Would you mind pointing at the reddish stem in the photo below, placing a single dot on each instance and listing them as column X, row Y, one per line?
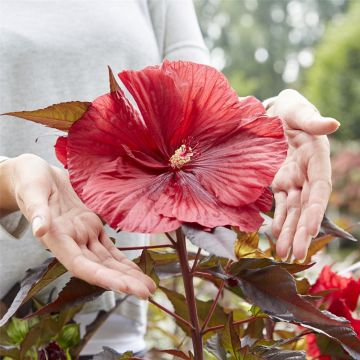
column 170, row 238
column 239, row 322
column 196, row 260
column 176, row 316
column 203, row 275
column 213, row 307
column 145, row 247
column 190, row 295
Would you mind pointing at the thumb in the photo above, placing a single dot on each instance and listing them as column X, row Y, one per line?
column 34, row 203
column 309, row 120
column 320, row 125
column 299, row 114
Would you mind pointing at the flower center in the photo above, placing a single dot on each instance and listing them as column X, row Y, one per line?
column 181, row 156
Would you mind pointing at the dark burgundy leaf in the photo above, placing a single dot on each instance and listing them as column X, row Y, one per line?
column 329, row 228
column 35, row 280
column 75, row 292
column 177, row 353
column 220, row 241
column 273, row 288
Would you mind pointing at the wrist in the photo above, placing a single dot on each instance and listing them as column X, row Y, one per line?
column 8, row 201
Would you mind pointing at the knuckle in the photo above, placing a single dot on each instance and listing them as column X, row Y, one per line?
column 288, row 92
column 29, row 157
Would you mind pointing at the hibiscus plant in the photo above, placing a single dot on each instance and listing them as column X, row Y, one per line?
column 195, row 162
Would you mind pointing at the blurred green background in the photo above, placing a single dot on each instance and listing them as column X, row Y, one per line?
column 313, row 46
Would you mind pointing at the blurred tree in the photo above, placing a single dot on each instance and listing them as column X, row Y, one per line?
column 262, row 45
column 333, row 83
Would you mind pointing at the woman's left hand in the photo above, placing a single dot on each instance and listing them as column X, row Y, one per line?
column 302, row 186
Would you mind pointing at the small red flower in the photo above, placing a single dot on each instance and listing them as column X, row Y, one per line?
column 193, row 153
column 341, row 301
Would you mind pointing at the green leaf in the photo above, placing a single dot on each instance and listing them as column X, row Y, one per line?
column 35, row 280
column 273, row 288
column 59, row 116
column 17, row 330
column 177, row 353
column 75, row 292
column 69, row 336
column 147, row 264
column 254, row 332
column 214, row 346
column 111, row 354
column 220, row 241
column 40, row 334
column 230, row 339
column 262, row 352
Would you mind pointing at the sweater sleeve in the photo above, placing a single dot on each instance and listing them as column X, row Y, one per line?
column 177, row 30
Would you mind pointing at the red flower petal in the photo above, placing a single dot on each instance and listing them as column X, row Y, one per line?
column 188, row 201
column 265, row 201
column 211, row 107
column 243, row 163
column 61, row 150
column 339, row 308
column 159, row 102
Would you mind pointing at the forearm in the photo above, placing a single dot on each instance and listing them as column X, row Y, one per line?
column 8, row 201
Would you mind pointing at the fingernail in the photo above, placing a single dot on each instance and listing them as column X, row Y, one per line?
column 37, row 223
column 302, row 260
column 286, row 257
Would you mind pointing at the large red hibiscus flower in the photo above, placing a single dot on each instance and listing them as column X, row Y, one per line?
column 342, row 299
column 191, row 153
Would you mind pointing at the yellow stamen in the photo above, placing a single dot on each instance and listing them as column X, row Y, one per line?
column 181, row 156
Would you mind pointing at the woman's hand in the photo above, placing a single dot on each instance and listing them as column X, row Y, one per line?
column 302, row 186
column 73, row 233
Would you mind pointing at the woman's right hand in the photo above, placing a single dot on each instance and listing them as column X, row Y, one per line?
column 73, row 233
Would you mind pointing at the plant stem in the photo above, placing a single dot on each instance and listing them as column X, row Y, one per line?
column 170, row 238
column 196, row 260
column 239, row 322
column 215, row 302
column 190, row 295
column 213, row 307
column 170, row 312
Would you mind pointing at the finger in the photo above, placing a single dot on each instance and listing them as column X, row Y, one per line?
column 302, row 238
column 319, row 174
column 280, row 212
column 107, row 260
column 33, row 199
column 115, row 252
column 300, row 114
column 71, row 256
column 286, row 237
column 311, row 217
